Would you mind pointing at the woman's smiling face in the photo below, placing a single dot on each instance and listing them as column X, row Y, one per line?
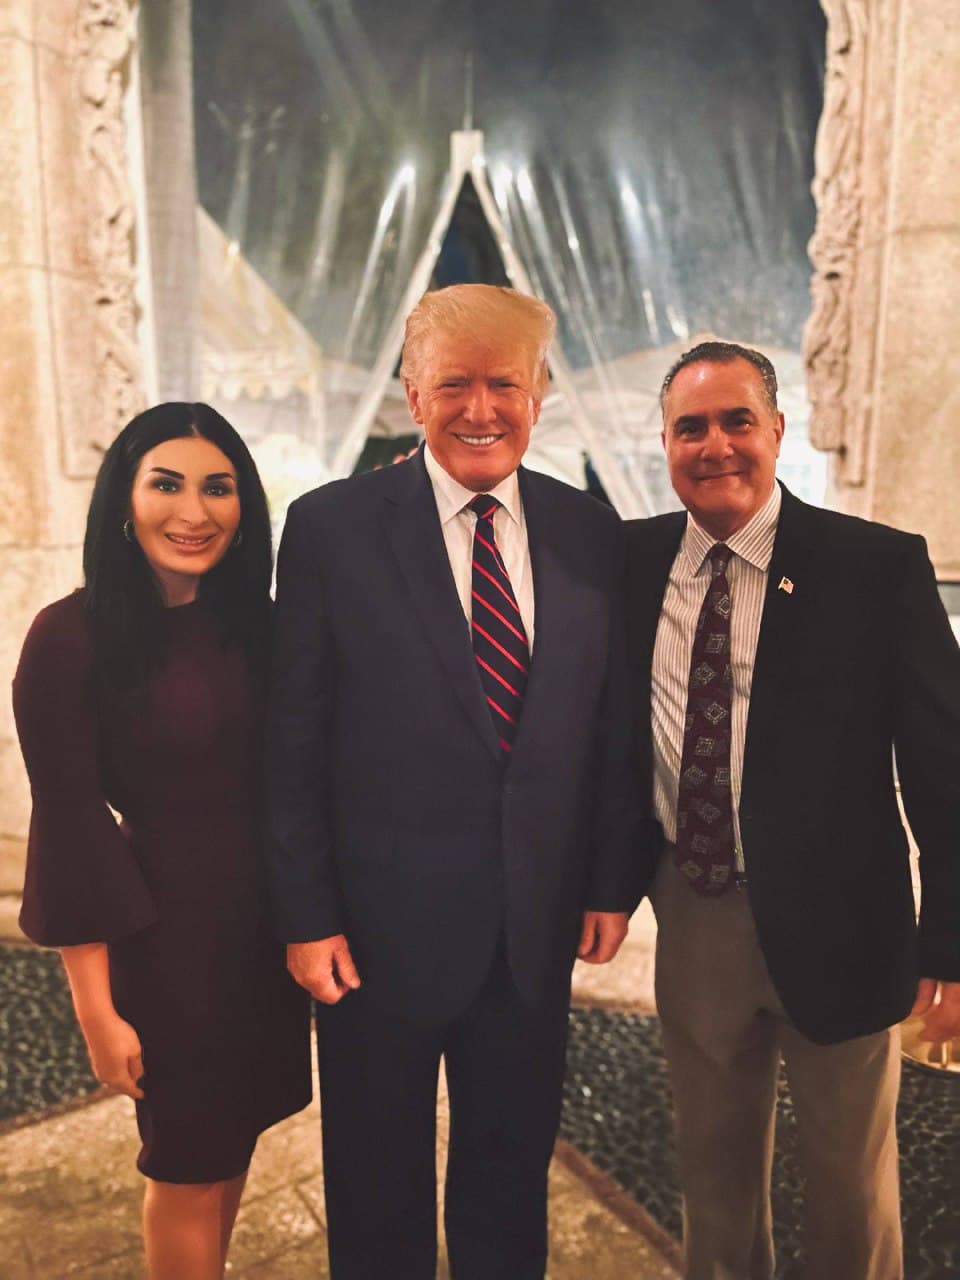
column 185, row 511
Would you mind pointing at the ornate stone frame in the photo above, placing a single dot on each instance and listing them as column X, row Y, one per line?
column 102, row 47
column 851, row 190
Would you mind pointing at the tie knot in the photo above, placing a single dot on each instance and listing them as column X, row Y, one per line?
column 484, row 506
column 719, row 556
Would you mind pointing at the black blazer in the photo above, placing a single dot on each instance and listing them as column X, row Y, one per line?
column 858, row 660
column 395, row 819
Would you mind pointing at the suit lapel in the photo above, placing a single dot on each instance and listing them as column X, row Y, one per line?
column 788, row 599
column 651, row 550
column 652, row 547
column 414, row 532
column 552, row 610
column 563, row 602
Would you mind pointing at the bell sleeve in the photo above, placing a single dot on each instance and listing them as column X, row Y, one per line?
column 82, row 883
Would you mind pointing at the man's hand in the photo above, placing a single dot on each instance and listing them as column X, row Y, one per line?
column 325, row 968
column 601, row 935
column 942, row 1016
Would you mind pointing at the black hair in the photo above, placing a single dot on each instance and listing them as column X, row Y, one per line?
column 716, row 352
column 124, row 601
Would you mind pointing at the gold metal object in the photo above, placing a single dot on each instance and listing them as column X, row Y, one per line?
column 934, row 1057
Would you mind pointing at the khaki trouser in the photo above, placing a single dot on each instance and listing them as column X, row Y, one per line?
column 724, row 1032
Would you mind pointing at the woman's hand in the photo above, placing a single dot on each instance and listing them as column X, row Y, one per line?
column 115, row 1054
column 113, row 1045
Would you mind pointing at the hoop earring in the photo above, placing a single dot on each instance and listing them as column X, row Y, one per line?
column 237, row 539
column 128, row 530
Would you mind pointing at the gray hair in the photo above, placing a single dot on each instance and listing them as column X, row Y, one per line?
column 716, row 352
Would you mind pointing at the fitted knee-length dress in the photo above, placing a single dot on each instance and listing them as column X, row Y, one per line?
column 176, row 889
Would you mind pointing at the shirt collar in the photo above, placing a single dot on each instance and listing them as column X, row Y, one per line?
column 451, row 496
column 753, row 543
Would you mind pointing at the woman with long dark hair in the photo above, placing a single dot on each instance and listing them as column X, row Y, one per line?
column 142, row 693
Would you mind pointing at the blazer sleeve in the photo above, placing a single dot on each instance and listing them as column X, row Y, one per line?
column 300, row 856
column 82, row 883
column 626, row 842
column 927, row 743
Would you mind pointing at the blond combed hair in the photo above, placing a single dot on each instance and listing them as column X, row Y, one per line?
column 486, row 312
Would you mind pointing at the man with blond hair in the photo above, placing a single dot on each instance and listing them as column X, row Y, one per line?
column 451, row 778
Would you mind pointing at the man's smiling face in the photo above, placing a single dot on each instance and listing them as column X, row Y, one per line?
column 722, row 438
column 476, row 402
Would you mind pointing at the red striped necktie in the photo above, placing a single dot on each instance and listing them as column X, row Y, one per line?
column 499, row 639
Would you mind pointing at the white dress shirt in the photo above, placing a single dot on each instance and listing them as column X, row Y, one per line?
column 686, row 588
column 509, row 527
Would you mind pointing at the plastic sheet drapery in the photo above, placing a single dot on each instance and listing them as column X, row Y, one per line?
column 650, row 162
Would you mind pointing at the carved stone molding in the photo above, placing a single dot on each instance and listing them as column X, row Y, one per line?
column 850, row 187
column 833, row 248
column 104, row 45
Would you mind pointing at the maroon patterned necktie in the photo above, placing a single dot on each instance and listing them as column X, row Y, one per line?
column 705, row 841
column 499, row 639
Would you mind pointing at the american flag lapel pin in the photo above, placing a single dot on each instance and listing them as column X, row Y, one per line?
column 785, row 585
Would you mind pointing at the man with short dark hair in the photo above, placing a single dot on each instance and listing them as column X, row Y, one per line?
column 789, row 651
column 452, row 791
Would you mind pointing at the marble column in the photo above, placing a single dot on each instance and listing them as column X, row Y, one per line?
column 69, row 362
column 883, row 342
column 166, row 71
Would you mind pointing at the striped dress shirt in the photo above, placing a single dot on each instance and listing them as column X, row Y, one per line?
column 686, row 588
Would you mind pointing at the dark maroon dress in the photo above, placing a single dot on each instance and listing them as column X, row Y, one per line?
column 176, row 892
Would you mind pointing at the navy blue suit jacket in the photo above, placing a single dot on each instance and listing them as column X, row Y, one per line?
column 856, row 662
column 396, row 819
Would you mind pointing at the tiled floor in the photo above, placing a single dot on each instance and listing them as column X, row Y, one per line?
column 70, row 1199
column 70, row 1195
